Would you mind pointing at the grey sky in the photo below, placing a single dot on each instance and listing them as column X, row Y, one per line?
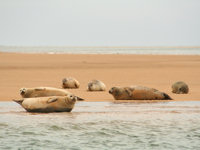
column 100, row 22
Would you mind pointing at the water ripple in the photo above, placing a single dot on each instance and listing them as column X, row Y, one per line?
column 103, row 125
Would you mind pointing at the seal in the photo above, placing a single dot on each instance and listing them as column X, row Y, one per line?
column 138, row 93
column 70, row 83
column 48, row 104
column 43, row 92
column 96, row 85
column 180, row 87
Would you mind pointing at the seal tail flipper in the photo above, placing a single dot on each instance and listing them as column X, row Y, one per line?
column 79, row 99
column 18, row 101
column 166, row 96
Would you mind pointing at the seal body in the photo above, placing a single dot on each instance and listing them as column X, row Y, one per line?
column 96, row 85
column 43, row 92
column 48, row 104
column 180, row 87
column 70, row 83
column 137, row 93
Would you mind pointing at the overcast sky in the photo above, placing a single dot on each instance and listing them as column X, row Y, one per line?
column 100, row 22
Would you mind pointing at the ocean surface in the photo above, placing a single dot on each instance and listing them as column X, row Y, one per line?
column 103, row 126
column 105, row 50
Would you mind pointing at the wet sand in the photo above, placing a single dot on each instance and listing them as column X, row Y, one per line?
column 157, row 71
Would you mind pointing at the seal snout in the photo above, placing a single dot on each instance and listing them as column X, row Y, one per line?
column 22, row 91
column 89, row 86
column 110, row 91
column 64, row 81
column 74, row 98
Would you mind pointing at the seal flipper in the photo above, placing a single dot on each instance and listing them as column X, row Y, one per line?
column 166, row 96
column 129, row 91
column 18, row 101
column 51, row 100
column 76, row 85
column 40, row 89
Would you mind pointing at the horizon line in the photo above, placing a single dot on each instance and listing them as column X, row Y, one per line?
column 195, row 46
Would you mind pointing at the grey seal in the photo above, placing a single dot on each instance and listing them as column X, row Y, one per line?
column 138, row 93
column 180, row 87
column 70, row 83
column 96, row 85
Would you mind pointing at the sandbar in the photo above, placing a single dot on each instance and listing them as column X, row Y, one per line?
column 19, row 70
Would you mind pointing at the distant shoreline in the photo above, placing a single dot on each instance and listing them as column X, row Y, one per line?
column 176, row 50
column 110, row 46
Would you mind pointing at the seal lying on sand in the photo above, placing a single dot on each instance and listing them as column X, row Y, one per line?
column 180, row 87
column 70, row 83
column 137, row 93
column 48, row 104
column 43, row 92
column 96, row 85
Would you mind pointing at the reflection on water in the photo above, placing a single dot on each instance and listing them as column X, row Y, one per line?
column 103, row 125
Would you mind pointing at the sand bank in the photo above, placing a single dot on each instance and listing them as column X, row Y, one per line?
column 157, row 71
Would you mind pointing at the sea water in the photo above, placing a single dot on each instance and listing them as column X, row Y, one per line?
column 103, row 125
column 105, row 50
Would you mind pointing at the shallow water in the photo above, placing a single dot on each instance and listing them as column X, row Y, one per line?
column 103, row 125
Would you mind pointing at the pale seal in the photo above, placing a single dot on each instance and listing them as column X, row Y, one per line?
column 138, row 93
column 180, row 87
column 48, row 104
column 70, row 83
column 43, row 92
column 96, row 85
